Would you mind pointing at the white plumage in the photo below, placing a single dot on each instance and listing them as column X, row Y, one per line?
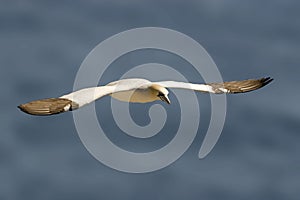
column 134, row 90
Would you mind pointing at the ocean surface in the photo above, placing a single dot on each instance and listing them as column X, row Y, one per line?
column 42, row 45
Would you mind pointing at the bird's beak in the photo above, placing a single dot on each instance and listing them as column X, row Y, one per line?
column 165, row 99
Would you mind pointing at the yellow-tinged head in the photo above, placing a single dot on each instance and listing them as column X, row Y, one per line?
column 161, row 93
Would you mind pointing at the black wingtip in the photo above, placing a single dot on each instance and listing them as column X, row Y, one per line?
column 266, row 80
column 21, row 107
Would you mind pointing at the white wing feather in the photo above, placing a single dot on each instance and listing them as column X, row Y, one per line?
column 219, row 88
column 189, row 86
column 88, row 95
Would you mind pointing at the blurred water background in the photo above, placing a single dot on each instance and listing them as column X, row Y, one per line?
column 42, row 44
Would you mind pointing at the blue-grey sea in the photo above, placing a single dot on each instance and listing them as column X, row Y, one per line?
column 42, row 45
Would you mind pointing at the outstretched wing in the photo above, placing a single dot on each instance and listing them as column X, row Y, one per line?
column 78, row 98
column 88, row 95
column 65, row 103
column 218, row 88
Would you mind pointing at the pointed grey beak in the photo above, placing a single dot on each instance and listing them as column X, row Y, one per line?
column 165, row 99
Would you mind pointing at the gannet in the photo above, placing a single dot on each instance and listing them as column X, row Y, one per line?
column 135, row 90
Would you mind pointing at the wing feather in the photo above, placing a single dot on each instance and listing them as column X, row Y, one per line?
column 240, row 86
column 183, row 85
column 80, row 98
column 49, row 106
column 218, row 88
column 88, row 95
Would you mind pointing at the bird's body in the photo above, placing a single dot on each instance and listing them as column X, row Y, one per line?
column 135, row 96
column 142, row 94
column 134, row 90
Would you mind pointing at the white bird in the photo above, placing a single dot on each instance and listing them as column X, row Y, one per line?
column 134, row 90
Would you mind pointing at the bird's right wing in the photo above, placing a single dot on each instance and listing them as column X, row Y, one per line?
column 66, row 102
column 75, row 99
column 88, row 95
column 218, row 88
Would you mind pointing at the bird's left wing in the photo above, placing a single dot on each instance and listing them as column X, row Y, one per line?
column 218, row 88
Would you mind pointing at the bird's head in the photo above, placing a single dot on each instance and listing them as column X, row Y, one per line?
column 161, row 93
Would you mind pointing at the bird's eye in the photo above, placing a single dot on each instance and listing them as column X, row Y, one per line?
column 160, row 94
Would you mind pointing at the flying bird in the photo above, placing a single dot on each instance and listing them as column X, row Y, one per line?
column 134, row 90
